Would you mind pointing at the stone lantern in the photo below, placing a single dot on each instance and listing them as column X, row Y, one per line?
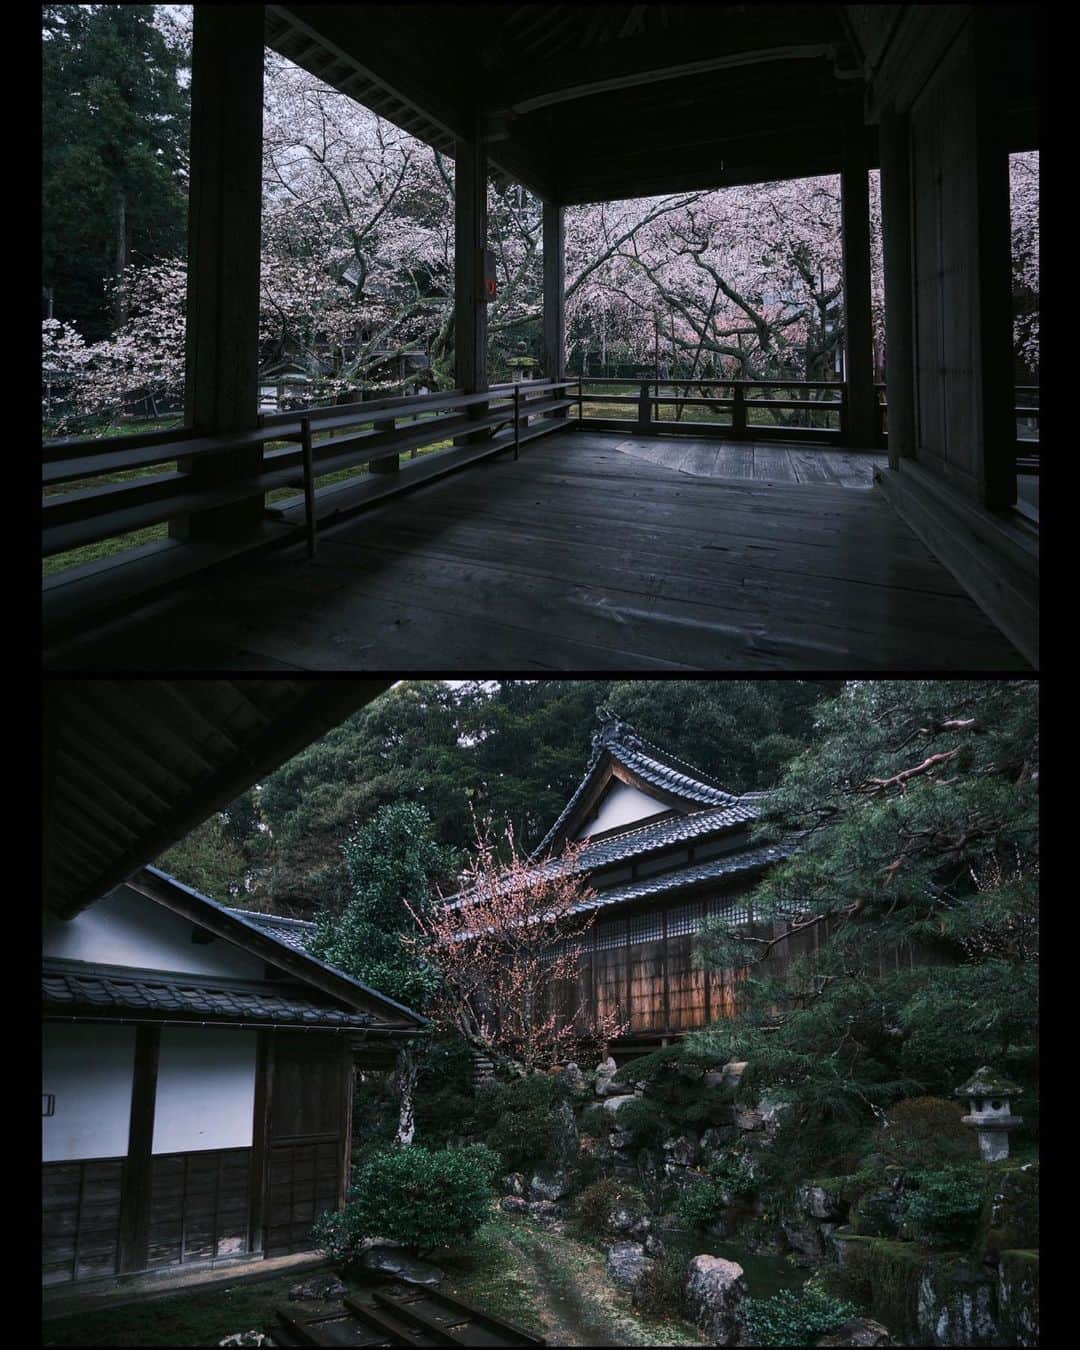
column 988, row 1093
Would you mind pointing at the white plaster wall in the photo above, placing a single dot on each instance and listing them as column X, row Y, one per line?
column 205, row 1089
column 128, row 929
column 622, row 805
column 89, row 1070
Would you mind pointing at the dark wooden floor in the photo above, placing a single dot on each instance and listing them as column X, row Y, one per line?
column 764, row 462
column 580, row 556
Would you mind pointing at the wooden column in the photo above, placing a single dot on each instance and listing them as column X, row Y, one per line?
column 348, row 1073
column 855, row 227
column 995, row 466
column 470, row 240
column 135, row 1186
column 224, row 218
column 896, row 231
column 554, row 292
column 260, row 1140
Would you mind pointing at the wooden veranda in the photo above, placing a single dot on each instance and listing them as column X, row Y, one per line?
column 936, row 96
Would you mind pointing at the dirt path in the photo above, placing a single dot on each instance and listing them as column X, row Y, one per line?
column 576, row 1299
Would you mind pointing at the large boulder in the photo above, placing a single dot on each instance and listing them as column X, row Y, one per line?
column 320, row 1287
column 804, row 1237
column 715, row 1292
column 730, row 1076
column 612, row 1104
column 550, row 1183
column 626, row 1263
column 860, row 1331
column 394, row 1262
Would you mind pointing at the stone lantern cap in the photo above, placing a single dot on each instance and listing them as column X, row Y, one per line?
column 986, row 1082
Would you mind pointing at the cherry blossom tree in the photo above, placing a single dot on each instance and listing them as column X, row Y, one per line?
column 504, row 944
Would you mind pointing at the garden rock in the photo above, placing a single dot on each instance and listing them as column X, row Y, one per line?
column 641, row 1228
column 859, row 1331
column 620, row 1099
column 323, row 1286
column 514, row 1204
column 620, row 1139
column 514, row 1183
column 544, row 1211
column 747, row 1118
column 716, row 1139
column 626, row 1263
column 575, row 1080
column 679, row 1152
column 715, row 1293
column 730, row 1076
column 605, row 1072
column 653, row 1246
column 394, row 1262
column 567, row 1139
column 248, row 1338
column 804, row 1236
column 819, row 1203
column 550, row 1183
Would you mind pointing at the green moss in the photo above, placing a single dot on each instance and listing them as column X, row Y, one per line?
column 1018, row 1297
column 884, row 1275
column 1010, row 1212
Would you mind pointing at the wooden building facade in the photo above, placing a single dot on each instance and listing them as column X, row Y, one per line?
column 197, row 1082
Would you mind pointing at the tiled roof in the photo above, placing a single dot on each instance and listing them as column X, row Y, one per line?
column 295, row 933
column 652, row 765
column 729, row 865
column 662, row 834
column 65, row 984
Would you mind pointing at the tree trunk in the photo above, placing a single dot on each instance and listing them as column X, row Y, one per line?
column 406, row 1084
column 119, row 305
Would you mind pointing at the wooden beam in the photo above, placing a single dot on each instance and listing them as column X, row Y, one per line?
column 896, row 232
column 554, row 292
column 470, row 241
column 260, row 1140
column 855, row 229
column 996, row 455
column 138, row 1166
column 224, row 222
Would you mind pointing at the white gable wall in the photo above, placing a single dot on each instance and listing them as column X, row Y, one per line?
column 88, row 1069
column 205, row 1089
column 129, row 929
column 622, row 805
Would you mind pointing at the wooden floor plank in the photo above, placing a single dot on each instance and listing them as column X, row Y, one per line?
column 583, row 556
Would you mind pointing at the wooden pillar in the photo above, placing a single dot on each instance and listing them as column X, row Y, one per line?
column 138, row 1165
column 554, row 292
column 224, row 219
column 260, row 1140
column 896, row 230
column 995, row 466
column 348, row 1074
column 470, row 241
column 855, row 228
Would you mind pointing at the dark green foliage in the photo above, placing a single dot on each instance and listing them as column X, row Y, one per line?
column 392, row 861
column 942, row 863
column 414, row 1196
column 644, row 1121
column 504, row 750
column 594, row 1121
column 598, row 1202
column 790, row 1318
column 660, row 1288
column 926, row 1131
column 444, row 1099
column 114, row 152
column 942, row 1207
column 702, row 1203
column 520, row 1119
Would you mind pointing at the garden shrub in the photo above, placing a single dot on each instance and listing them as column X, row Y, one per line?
column 594, row 1121
column 521, row 1119
column 942, row 1207
column 701, row 1204
column 660, row 1288
column 598, row 1202
column 643, row 1120
column 926, row 1132
column 794, row 1317
column 415, row 1196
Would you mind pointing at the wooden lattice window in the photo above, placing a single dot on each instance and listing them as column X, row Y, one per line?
column 683, row 919
column 646, row 927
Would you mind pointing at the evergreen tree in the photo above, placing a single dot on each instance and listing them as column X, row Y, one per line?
column 915, row 811
column 115, row 135
column 390, row 861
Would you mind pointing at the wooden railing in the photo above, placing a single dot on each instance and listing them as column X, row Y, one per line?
column 297, row 450
column 740, row 399
column 1025, row 405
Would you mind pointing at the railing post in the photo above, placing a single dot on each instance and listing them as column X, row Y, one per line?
column 644, row 407
column 517, row 419
column 309, row 483
column 580, row 401
column 385, row 463
column 738, row 412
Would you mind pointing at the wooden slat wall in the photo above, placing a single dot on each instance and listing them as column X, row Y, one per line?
column 305, row 1179
column 199, row 1206
column 80, row 1207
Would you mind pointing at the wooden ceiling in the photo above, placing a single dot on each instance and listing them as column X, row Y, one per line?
column 591, row 102
column 130, row 766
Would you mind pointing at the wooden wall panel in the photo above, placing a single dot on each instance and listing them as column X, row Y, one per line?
column 199, row 1206
column 80, row 1207
column 646, row 985
column 686, row 986
column 304, row 1181
column 611, row 967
